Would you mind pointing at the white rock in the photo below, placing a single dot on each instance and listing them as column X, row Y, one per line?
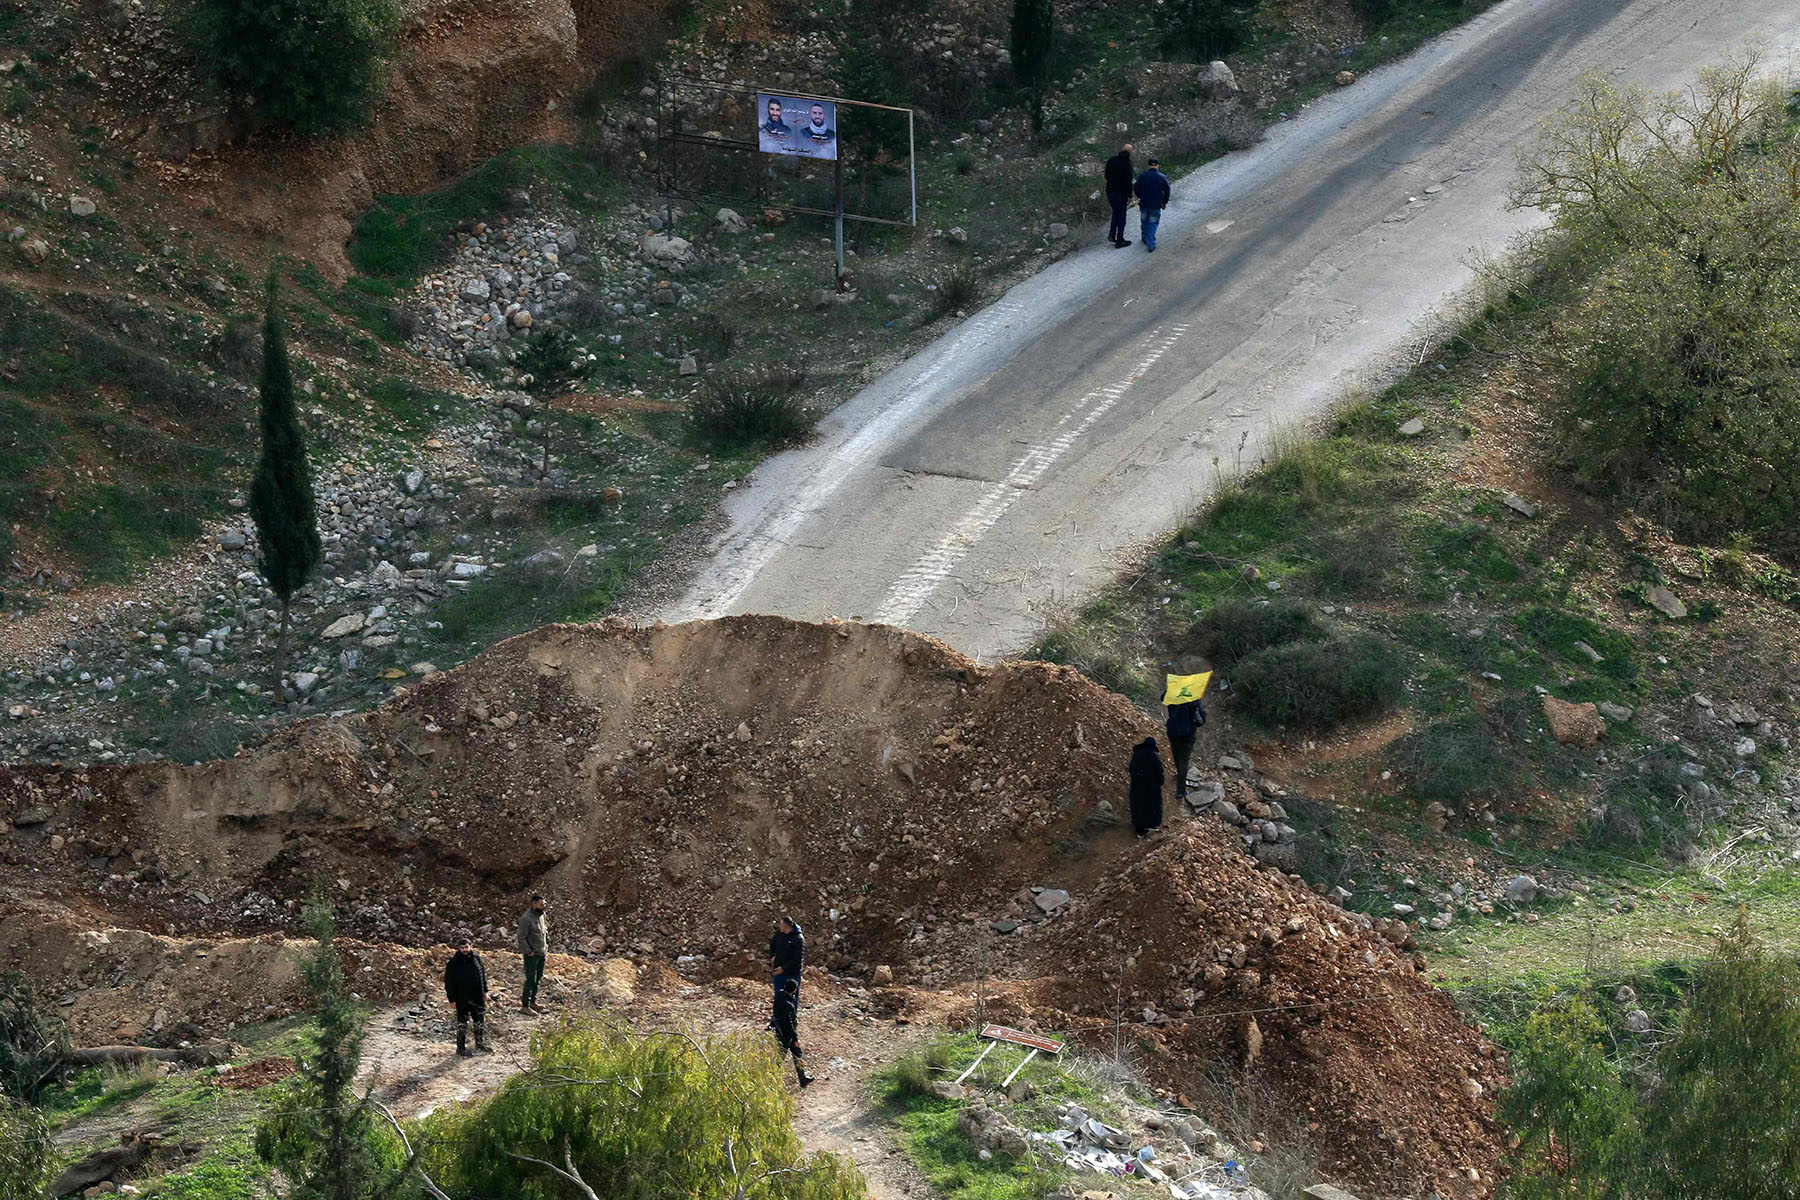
column 344, row 626
column 1051, row 899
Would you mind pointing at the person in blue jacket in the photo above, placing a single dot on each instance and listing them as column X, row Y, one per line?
column 1152, row 190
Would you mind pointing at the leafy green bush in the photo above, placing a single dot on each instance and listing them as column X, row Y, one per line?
column 760, row 408
column 1228, row 633
column 24, row 1150
column 1316, row 685
column 32, row 1040
column 1358, row 563
column 314, row 66
column 555, row 361
column 1680, row 391
column 1455, row 758
column 636, row 1117
column 1203, row 30
column 1577, row 1122
column 1726, row 1121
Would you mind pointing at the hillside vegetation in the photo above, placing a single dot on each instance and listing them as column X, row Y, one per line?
column 1571, row 526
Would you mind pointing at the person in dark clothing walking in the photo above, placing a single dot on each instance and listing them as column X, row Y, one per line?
column 1146, row 787
column 466, row 986
column 786, row 1022
column 1118, row 194
column 1183, row 727
column 534, row 943
column 787, row 954
column 1153, row 196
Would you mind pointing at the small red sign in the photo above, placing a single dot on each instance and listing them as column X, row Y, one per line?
column 1019, row 1037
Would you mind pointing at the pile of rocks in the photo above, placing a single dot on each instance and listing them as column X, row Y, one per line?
column 506, row 277
column 1253, row 805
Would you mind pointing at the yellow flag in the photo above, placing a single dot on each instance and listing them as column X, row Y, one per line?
column 1183, row 688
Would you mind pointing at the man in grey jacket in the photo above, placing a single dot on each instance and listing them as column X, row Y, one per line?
column 534, row 943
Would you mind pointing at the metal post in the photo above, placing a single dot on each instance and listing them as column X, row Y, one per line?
column 1007, row 1082
column 977, row 1062
column 837, row 173
column 912, row 166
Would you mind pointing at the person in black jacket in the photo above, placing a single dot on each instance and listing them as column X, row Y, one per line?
column 787, row 952
column 786, row 1021
column 1118, row 194
column 1153, row 196
column 1183, row 727
column 1146, row 787
column 466, row 986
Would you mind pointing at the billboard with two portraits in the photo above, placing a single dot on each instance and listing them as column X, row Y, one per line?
column 797, row 126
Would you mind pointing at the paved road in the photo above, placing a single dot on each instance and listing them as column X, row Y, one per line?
column 1000, row 474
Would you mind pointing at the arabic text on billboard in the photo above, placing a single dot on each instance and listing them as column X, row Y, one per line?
column 789, row 125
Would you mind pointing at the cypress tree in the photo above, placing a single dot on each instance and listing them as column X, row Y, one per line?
column 1033, row 45
column 281, row 495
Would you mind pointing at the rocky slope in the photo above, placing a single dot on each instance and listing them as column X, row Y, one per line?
column 672, row 789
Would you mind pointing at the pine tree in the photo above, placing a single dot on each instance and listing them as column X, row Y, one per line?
column 281, row 495
column 1033, row 50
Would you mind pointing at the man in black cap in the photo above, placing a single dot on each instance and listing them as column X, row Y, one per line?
column 466, row 986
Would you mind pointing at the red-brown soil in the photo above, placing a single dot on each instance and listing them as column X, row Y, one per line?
column 671, row 789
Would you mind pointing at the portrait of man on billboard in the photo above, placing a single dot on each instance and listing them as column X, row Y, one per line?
column 800, row 127
column 817, row 129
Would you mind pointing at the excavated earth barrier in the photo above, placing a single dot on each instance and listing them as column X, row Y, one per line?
column 672, row 789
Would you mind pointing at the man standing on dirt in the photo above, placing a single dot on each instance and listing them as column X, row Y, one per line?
column 786, row 1021
column 787, row 954
column 1153, row 196
column 1118, row 194
column 466, row 986
column 1183, row 727
column 533, row 943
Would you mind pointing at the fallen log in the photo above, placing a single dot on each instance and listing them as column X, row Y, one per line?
column 210, row 1055
column 133, row 1151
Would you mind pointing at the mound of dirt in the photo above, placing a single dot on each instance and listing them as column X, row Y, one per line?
column 672, row 789
column 1219, row 964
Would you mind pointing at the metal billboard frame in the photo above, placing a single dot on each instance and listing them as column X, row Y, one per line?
column 671, row 135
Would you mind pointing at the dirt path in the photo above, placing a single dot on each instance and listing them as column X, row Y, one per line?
column 409, row 1057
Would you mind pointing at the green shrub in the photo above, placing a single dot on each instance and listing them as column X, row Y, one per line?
column 1472, row 548
column 1679, row 390
column 1228, row 633
column 32, row 1040
column 1203, row 30
column 759, row 408
column 313, row 66
column 1576, row 1121
column 24, row 1150
column 638, row 1117
column 957, row 291
column 1455, row 758
column 1357, row 563
column 1316, row 685
column 913, row 1073
column 1726, row 1121
column 555, row 361
column 1723, row 1119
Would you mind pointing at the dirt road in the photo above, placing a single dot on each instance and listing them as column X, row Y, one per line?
column 1005, row 470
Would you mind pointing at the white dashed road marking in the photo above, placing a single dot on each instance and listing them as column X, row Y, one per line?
column 914, row 588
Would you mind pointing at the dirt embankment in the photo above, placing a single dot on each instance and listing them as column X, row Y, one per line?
column 469, row 81
column 672, row 789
